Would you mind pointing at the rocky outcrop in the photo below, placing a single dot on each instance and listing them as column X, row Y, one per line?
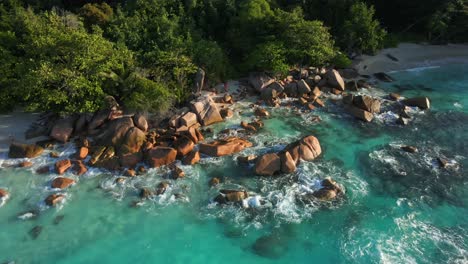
column 63, row 129
column 62, row 183
column 18, row 150
column 133, row 141
column 260, row 80
column 62, row 166
column 359, row 113
column 367, row 103
column 177, row 173
column 115, row 132
column 214, row 181
column 79, row 167
column 420, row 102
column 224, row 146
column 160, row 156
column 335, row 80
column 206, row 110
column 307, row 148
column 54, row 199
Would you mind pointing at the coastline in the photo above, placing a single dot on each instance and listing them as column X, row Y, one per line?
column 411, row 55
column 13, row 127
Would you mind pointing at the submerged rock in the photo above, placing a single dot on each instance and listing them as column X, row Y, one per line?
column 420, row 102
column 54, row 199
column 18, row 150
column 162, row 187
column 4, row 194
column 214, row 181
column 409, row 149
column 35, row 232
column 145, row 193
column 224, row 146
column 177, row 173
column 270, row 246
column 233, row 196
column 381, row 76
column 329, row 191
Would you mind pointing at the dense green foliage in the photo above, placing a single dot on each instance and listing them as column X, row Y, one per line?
column 68, row 55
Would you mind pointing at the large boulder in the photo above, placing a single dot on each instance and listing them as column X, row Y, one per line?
column 160, row 156
column 63, row 129
column 334, row 80
column 188, row 120
column 307, row 148
column 268, row 94
column 98, row 120
column 134, row 139
column 277, row 87
column 184, row 145
column 367, row 103
column 131, row 160
column 288, row 165
column 194, row 134
column 62, row 183
column 115, row 132
column 224, row 146
column 303, row 88
column 260, row 81
column 268, row 164
column 360, row 113
column 140, row 121
column 290, row 89
column 421, row 102
column 18, row 150
column 62, row 166
column 206, row 110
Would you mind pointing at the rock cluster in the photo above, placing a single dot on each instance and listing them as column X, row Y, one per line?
column 307, row 149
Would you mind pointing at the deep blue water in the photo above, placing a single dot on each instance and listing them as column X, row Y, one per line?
column 398, row 207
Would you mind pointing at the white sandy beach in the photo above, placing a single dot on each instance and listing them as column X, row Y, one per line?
column 13, row 126
column 412, row 56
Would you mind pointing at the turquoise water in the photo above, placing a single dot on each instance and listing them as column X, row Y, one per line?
column 398, row 207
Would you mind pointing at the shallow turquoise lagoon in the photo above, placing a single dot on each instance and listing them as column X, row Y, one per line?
column 398, row 208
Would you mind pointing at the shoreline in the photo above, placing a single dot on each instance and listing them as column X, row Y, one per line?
column 410, row 56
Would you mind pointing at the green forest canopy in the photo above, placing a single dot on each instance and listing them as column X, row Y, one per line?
column 68, row 55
